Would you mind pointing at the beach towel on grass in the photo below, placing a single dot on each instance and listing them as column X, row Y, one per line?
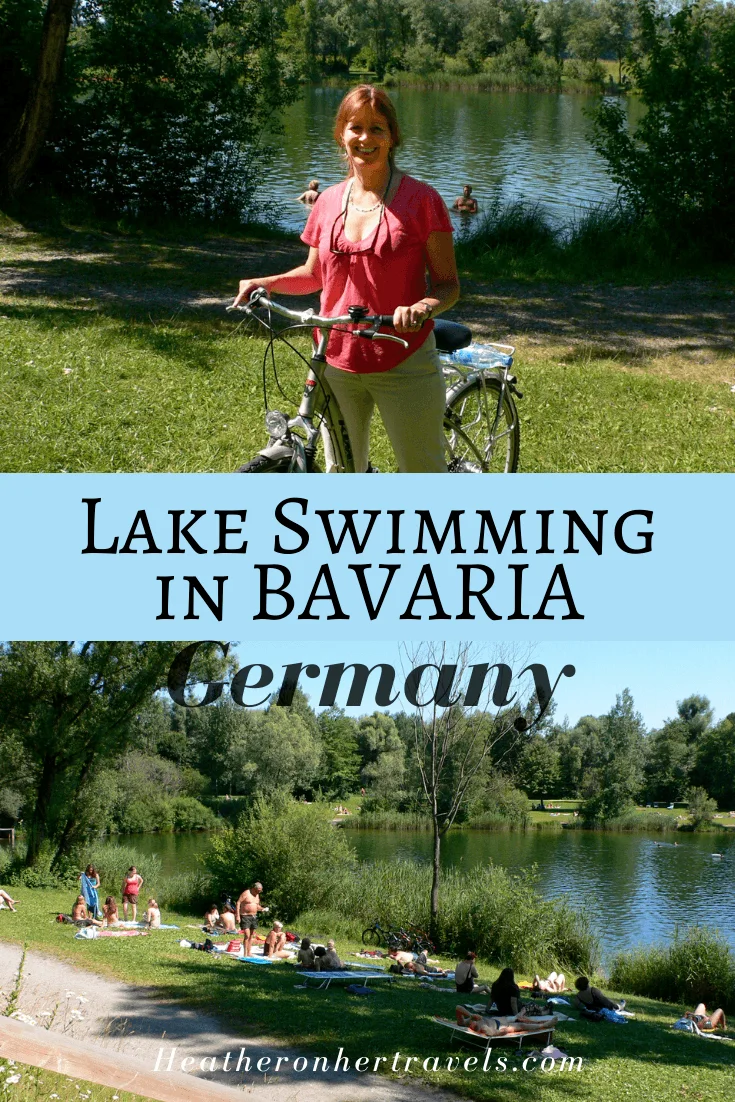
column 89, row 891
column 145, row 926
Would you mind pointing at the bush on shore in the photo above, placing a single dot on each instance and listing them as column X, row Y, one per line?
column 498, row 914
column 290, row 847
column 698, row 966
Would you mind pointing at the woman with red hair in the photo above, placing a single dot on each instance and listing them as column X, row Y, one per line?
column 382, row 240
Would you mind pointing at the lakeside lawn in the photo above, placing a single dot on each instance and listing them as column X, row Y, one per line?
column 37, row 1085
column 642, row 1059
column 116, row 355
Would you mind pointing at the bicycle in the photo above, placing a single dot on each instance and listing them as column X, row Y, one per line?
column 377, row 935
column 481, row 426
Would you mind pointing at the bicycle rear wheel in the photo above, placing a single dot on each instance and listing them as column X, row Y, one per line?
column 371, row 936
column 481, row 428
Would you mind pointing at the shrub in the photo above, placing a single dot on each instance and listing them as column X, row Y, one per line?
column 190, row 814
column 678, row 167
column 498, row 914
column 292, row 848
column 697, row 966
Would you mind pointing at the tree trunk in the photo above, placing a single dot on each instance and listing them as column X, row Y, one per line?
column 434, row 920
column 37, row 826
column 23, row 148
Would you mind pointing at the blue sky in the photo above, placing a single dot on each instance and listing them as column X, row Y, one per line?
column 657, row 674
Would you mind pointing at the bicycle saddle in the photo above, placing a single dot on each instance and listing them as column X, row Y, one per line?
column 450, row 335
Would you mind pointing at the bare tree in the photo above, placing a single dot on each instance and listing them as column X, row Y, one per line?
column 26, row 142
column 468, row 710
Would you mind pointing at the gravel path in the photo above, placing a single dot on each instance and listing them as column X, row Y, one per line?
column 128, row 1019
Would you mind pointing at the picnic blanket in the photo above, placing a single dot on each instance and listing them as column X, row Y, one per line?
column 91, row 933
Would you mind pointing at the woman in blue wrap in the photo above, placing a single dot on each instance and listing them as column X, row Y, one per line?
column 90, row 882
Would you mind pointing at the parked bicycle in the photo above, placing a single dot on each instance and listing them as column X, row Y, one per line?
column 480, row 418
column 391, row 936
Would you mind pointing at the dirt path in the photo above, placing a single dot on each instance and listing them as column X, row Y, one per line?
column 129, row 1019
column 689, row 321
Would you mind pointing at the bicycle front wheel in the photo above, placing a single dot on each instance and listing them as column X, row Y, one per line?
column 263, row 464
column 481, row 428
column 371, row 936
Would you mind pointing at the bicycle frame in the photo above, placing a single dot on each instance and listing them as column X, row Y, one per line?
column 319, row 412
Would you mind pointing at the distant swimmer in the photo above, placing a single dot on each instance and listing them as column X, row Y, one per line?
column 310, row 196
column 718, row 854
column 465, row 202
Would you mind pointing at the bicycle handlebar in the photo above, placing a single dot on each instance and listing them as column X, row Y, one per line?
column 260, row 298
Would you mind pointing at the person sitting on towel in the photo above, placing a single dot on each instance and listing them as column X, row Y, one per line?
column 465, row 974
column 326, row 960
column 152, row 916
column 305, row 956
column 226, row 921
column 81, row 915
column 210, row 918
column 110, row 912
column 275, row 942
column 506, row 994
column 591, row 998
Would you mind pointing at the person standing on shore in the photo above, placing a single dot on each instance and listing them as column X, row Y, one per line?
column 89, row 881
column 247, row 909
column 131, row 885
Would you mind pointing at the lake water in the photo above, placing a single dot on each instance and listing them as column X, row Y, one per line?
column 638, row 887
column 508, row 145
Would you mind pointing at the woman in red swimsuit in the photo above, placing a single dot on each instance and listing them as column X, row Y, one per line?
column 131, row 886
column 382, row 240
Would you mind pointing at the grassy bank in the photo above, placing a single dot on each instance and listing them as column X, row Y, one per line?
column 117, row 355
column 36, row 1085
column 641, row 1059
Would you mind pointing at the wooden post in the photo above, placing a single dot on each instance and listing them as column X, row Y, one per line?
column 42, row 1048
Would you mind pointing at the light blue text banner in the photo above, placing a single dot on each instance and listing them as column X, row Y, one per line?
column 534, row 557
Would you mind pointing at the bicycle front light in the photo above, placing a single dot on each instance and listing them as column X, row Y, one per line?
column 276, row 424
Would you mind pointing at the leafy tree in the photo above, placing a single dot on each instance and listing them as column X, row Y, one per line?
column 701, row 807
column 554, row 18
column 714, row 765
column 616, row 18
column 668, row 762
column 677, row 169
column 695, row 713
column 291, row 848
column 339, row 773
column 537, row 772
column 618, row 778
column 72, row 708
column 452, row 744
column 384, row 757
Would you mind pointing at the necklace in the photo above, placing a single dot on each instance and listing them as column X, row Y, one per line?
column 375, row 206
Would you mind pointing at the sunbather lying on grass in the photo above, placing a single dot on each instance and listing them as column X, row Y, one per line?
column 555, row 983
column 707, row 1023
column 501, row 1025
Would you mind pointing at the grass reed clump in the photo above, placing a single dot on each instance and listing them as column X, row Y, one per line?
column 697, row 966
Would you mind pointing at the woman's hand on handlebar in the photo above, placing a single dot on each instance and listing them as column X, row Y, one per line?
column 409, row 319
column 245, row 289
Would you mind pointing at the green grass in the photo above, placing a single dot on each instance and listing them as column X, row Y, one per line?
column 107, row 363
column 36, row 1085
column 642, row 1059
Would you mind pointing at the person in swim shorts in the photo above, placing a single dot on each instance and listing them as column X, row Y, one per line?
column 247, row 909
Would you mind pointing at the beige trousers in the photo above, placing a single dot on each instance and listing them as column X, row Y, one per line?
column 410, row 399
